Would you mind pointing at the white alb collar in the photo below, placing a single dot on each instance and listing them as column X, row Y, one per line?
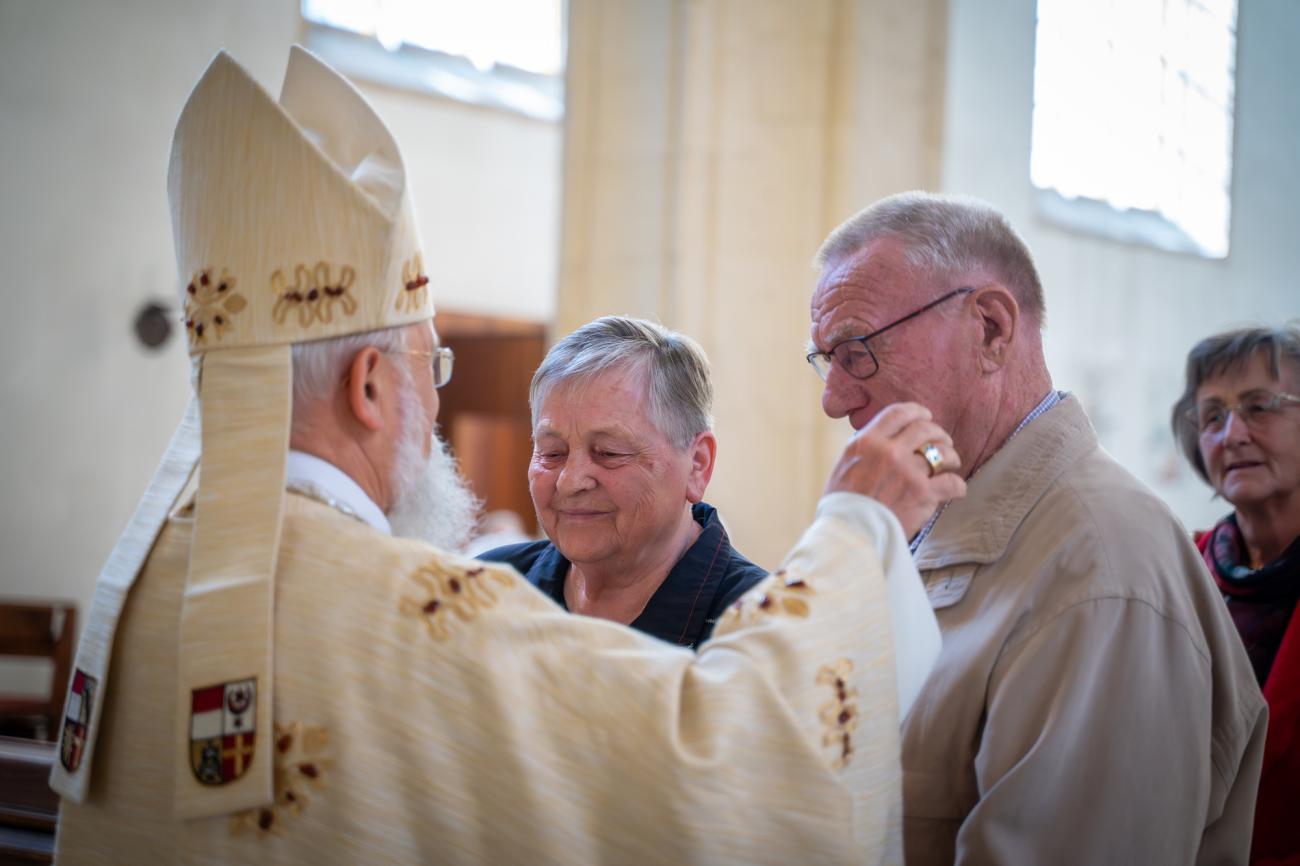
column 319, row 479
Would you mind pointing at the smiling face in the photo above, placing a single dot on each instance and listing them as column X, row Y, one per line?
column 928, row 360
column 1249, row 465
column 609, row 488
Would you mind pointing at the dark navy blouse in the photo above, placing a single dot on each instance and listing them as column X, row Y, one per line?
column 683, row 610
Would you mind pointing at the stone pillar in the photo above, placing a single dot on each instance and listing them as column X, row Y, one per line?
column 710, row 147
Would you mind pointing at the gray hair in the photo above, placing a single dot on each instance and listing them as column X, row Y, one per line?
column 944, row 237
column 319, row 365
column 681, row 392
column 1215, row 356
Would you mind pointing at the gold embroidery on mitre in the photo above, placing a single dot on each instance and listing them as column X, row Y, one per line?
column 314, row 294
column 840, row 715
column 210, row 302
column 300, row 765
column 414, row 285
column 788, row 595
column 452, row 592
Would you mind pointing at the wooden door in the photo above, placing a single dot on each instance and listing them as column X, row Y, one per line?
column 484, row 413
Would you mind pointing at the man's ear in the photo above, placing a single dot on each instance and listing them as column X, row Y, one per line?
column 999, row 317
column 363, row 388
column 704, row 452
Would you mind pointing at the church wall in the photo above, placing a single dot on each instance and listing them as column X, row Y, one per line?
column 1122, row 318
column 711, row 145
column 89, row 95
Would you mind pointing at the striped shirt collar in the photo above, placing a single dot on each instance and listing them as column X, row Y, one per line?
column 1053, row 397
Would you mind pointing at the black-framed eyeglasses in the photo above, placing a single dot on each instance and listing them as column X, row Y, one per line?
column 854, row 354
column 442, row 360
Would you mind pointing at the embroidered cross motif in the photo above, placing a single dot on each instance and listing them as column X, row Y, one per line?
column 840, row 715
column 784, row 593
column 447, row 592
column 210, row 302
column 300, row 765
column 414, row 285
column 313, row 294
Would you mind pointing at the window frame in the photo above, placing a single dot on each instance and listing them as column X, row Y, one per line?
column 537, row 96
column 1140, row 226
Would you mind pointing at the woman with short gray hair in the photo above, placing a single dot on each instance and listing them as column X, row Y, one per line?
column 1238, row 424
column 623, row 449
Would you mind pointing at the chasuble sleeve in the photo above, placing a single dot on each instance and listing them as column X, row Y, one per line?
column 778, row 742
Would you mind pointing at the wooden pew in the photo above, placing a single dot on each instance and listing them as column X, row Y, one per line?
column 38, row 629
column 29, row 810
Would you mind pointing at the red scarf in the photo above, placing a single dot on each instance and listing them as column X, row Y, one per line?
column 1262, row 603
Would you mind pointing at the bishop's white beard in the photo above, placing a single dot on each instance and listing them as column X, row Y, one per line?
column 433, row 503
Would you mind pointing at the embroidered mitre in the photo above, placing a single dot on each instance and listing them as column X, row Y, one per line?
column 292, row 222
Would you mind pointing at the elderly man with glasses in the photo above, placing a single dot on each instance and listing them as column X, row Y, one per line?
column 1092, row 703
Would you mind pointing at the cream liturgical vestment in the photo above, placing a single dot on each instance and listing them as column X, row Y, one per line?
column 269, row 677
column 434, row 709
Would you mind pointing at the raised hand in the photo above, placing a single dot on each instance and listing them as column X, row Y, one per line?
column 887, row 461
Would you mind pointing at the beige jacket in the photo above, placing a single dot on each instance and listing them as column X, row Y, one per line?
column 1092, row 703
column 432, row 709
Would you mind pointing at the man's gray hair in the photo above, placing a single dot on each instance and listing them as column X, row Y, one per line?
column 945, row 237
column 318, row 366
column 1216, row 355
column 681, row 391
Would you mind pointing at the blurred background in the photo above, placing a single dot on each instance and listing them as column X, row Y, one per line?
column 675, row 159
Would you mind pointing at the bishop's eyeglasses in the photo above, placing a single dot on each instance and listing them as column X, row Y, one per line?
column 854, row 354
column 441, row 358
column 1256, row 409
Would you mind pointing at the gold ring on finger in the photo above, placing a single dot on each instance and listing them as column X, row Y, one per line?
column 930, row 454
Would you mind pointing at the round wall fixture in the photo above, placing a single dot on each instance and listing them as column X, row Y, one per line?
column 153, row 325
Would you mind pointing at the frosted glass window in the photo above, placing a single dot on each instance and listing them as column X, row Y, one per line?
column 525, row 34
column 506, row 54
column 1133, row 104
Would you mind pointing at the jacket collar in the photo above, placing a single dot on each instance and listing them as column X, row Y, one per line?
column 978, row 528
column 679, row 608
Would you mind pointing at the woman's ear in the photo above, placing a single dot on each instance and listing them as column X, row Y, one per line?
column 704, row 452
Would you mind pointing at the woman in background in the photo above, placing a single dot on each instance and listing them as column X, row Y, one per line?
column 1238, row 423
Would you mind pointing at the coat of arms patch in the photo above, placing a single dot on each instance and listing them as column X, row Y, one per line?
column 76, row 720
column 223, row 730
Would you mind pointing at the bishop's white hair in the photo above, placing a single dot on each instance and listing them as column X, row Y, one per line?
column 431, row 501
column 318, row 366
